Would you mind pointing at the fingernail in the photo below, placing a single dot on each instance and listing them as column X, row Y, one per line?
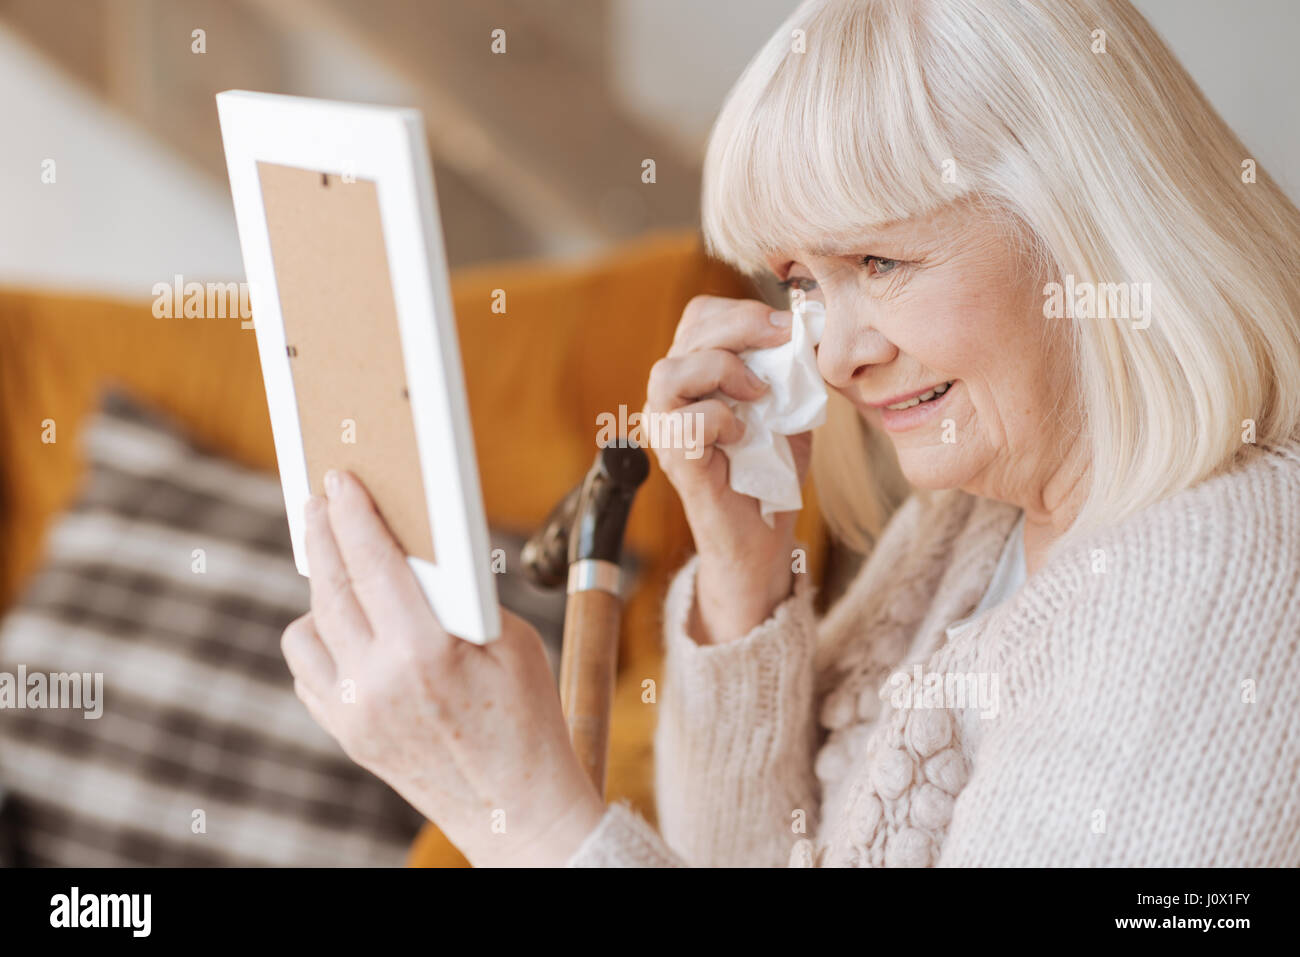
column 333, row 483
column 754, row 380
column 780, row 319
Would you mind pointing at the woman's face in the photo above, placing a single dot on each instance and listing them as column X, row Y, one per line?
column 951, row 301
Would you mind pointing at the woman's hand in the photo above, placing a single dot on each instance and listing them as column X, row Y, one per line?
column 473, row 736
column 745, row 567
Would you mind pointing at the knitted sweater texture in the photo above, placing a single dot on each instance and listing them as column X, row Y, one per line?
column 1135, row 703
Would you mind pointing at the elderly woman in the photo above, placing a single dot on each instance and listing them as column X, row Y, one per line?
column 1076, row 641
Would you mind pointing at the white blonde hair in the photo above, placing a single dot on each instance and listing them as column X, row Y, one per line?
column 1114, row 166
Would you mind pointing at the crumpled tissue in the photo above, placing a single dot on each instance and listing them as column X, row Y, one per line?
column 761, row 463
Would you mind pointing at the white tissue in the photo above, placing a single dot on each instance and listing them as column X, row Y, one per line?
column 761, row 463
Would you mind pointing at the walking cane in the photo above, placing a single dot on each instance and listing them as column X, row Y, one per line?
column 580, row 544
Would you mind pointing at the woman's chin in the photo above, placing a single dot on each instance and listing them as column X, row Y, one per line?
column 931, row 468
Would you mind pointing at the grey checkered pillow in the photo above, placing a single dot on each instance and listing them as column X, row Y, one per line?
column 172, row 576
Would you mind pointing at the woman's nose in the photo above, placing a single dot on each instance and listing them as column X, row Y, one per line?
column 850, row 345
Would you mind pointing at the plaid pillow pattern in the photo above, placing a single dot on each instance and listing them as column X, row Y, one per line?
column 172, row 579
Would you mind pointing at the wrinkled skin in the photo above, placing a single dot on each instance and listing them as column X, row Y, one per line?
column 473, row 736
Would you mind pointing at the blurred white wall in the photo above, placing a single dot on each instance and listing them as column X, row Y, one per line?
column 675, row 60
column 122, row 213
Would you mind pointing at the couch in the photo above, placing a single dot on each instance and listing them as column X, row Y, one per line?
column 575, row 340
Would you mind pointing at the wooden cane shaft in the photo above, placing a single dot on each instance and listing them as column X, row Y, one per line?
column 587, row 665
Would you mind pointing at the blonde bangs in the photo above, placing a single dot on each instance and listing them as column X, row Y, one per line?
column 828, row 133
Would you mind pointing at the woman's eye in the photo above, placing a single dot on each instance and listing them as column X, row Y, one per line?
column 882, row 266
column 801, row 283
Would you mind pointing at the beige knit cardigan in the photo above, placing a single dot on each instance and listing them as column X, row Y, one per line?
column 1147, row 701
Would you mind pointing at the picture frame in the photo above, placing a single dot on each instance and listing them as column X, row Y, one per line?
column 342, row 244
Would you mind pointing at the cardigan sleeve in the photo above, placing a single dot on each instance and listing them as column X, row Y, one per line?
column 734, row 746
column 624, row 838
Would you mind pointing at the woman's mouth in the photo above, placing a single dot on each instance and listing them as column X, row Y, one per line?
column 923, row 397
column 912, row 412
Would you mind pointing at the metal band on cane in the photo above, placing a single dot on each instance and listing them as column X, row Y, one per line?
column 593, row 574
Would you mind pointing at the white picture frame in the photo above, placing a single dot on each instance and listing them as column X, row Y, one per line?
column 388, row 146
